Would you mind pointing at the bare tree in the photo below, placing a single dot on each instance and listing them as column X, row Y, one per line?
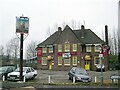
column 115, row 38
column 1, row 54
column 31, row 50
column 14, row 45
column 8, row 51
column 110, row 39
column 1, row 50
column 73, row 24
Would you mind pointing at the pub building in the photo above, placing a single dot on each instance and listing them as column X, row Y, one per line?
column 69, row 48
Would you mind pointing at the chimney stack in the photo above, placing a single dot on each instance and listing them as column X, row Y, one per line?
column 59, row 30
column 82, row 31
column 106, row 34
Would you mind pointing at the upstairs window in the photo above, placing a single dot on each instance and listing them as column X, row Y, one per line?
column 74, row 47
column 67, row 47
column 50, row 49
column 59, row 47
column 88, row 48
column 97, row 48
column 44, row 50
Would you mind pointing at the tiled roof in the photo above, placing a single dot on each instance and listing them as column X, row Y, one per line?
column 89, row 37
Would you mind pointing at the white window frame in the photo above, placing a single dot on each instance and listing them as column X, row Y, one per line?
column 97, row 48
column 44, row 50
column 87, row 49
column 74, row 58
column 59, row 60
column 59, row 47
column 67, row 47
column 43, row 62
column 74, row 47
column 50, row 49
column 67, row 64
column 95, row 60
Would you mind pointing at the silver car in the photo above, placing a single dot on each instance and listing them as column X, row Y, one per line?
column 79, row 74
column 28, row 73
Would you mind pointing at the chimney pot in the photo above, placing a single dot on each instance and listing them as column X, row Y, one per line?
column 59, row 30
column 82, row 27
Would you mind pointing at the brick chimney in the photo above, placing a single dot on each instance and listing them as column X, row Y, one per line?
column 82, row 31
column 59, row 30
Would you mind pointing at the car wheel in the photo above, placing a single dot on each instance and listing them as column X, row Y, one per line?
column 69, row 77
column 33, row 77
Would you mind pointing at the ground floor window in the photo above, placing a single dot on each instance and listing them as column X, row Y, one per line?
column 67, row 61
column 59, row 60
column 44, row 61
column 97, row 60
column 74, row 60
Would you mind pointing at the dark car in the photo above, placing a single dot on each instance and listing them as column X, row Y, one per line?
column 79, row 74
column 5, row 70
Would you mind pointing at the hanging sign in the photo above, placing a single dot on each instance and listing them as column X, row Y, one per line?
column 22, row 25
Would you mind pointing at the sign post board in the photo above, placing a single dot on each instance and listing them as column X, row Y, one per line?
column 22, row 27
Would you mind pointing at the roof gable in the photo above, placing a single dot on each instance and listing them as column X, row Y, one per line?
column 67, row 36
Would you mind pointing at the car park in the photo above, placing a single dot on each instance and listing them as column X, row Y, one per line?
column 4, row 70
column 79, row 74
column 99, row 67
column 28, row 73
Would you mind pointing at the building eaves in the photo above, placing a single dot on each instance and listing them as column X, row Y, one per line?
column 50, row 40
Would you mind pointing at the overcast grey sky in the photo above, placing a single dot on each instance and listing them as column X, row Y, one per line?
column 47, row 13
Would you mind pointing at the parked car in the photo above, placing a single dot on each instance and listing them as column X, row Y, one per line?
column 28, row 73
column 98, row 67
column 5, row 70
column 80, row 74
column 115, row 77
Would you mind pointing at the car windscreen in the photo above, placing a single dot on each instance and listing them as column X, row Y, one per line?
column 80, row 71
column 3, row 69
column 18, row 70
